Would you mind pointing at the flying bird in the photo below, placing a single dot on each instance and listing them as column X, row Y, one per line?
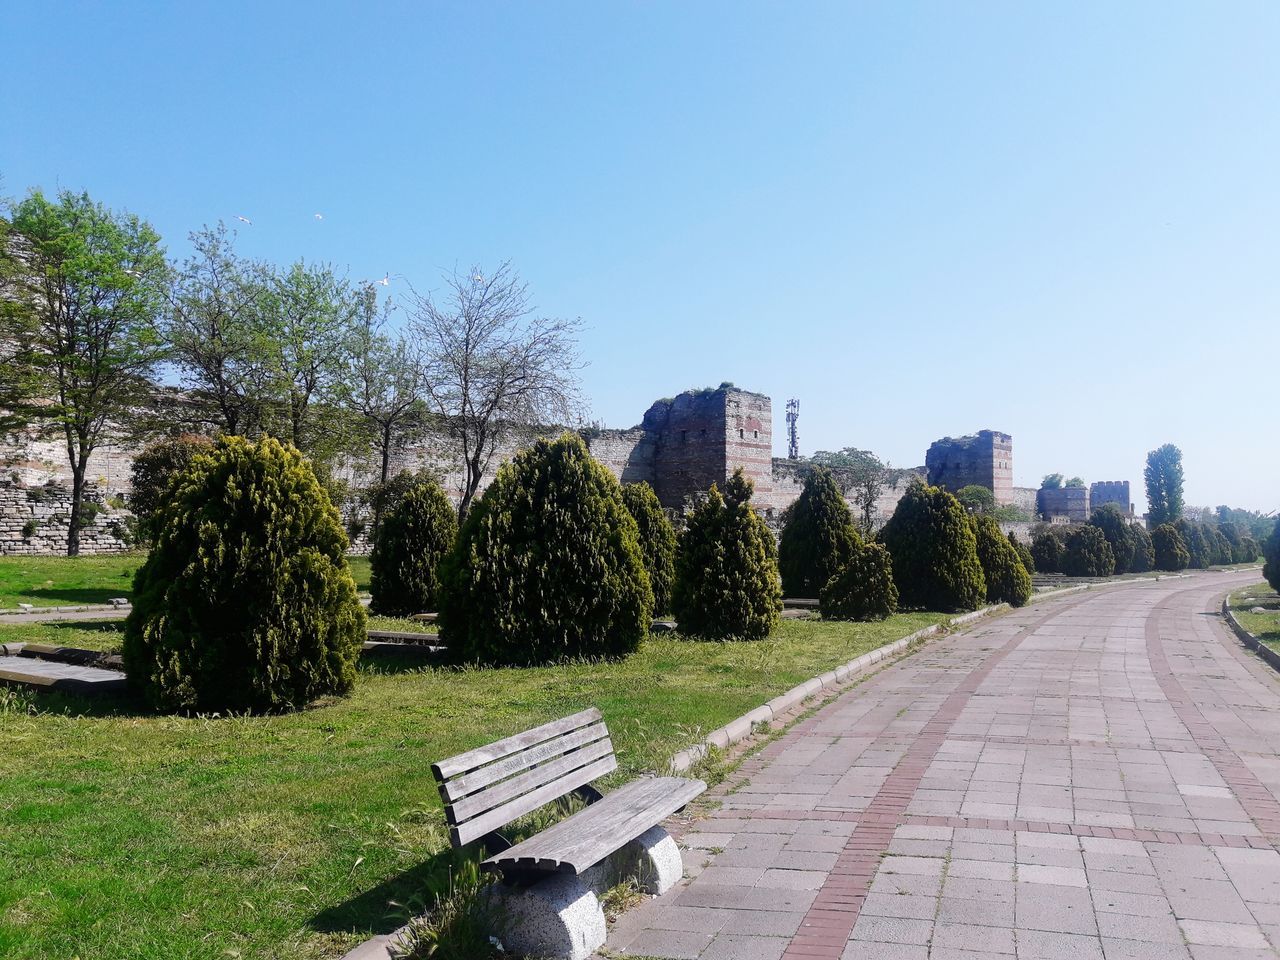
column 385, row 281
column 244, row 220
column 319, row 216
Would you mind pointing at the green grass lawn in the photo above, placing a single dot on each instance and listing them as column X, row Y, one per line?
column 68, row 581
column 128, row 835
column 1264, row 625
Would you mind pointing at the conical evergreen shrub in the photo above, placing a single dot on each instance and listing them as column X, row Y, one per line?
column 1271, row 555
column 1144, row 554
column 1198, row 546
column 819, row 537
column 863, row 589
column 1046, row 552
column 727, row 585
column 657, row 541
column 547, row 565
column 1023, row 552
column 413, row 538
column 1170, row 551
column 1086, row 553
column 935, row 554
column 246, row 601
column 1118, row 532
column 1006, row 578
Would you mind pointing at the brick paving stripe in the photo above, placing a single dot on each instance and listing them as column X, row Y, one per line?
column 1094, row 776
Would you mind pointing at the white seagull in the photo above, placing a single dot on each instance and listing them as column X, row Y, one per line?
column 319, row 216
column 244, row 220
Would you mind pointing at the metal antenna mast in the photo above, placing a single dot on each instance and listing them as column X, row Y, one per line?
column 793, row 436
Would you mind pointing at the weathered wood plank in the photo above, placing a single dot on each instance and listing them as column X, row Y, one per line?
column 496, row 795
column 501, row 816
column 465, row 762
column 579, row 842
column 459, row 787
column 405, row 636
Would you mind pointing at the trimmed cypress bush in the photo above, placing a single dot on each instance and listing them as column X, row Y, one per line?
column 1046, row 552
column 1144, row 554
column 1249, row 551
column 657, row 541
column 1087, row 553
column 1023, row 552
column 818, row 539
column 154, row 470
column 727, row 584
column 1115, row 528
column 413, row 537
column 935, row 554
column 863, row 589
column 1222, row 553
column 246, row 601
column 1271, row 553
column 1170, row 551
column 1198, row 548
column 1007, row 579
column 547, row 565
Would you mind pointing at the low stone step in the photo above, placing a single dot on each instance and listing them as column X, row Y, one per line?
column 63, row 677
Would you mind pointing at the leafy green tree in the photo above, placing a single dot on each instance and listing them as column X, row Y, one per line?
column 246, row 601
column 1144, row 556
column 657, row 541
column 935, row 553
column 1046, row 552
column 219, row 336
column 1086, row 553
column 727, row 584
column 1118, row 532
column 1023, row 552
column 1052, row 481
column 412, row 540
column 154, row 469
column 548, row 565
column 1271, row 553
column 976, row 499
column 1170, row 550
column 1163, row 475
column 1007, row 579
column 818, row 539
column 87, row 287
column 1074, row 483
column 863, row 589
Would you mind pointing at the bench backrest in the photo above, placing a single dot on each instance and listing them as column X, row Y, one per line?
column 487, row 788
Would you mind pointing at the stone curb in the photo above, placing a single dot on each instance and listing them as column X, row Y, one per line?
column 1265, row 653
column 82, row 608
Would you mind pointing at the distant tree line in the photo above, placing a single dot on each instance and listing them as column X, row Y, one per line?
column 103, row 336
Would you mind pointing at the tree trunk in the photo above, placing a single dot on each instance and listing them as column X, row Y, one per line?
column 77, row 498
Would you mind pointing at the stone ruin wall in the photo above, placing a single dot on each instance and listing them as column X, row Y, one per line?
column 984, row 460
column 1111, row 491
column 35, row 520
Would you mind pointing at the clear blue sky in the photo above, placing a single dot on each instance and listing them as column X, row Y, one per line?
column 1057, row 220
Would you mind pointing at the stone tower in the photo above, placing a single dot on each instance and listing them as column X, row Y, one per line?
column 984, row 459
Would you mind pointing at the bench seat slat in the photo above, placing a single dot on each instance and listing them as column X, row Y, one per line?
column 581, row 841
column 477, row 803
column 500, row 816
column 465, row 762
column 454, row 790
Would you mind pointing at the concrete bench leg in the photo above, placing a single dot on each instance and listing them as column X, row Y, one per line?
column 559, row 916
column 658, row 865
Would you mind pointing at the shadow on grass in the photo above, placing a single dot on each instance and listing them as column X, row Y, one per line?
column 88, row 626
column 387, row 906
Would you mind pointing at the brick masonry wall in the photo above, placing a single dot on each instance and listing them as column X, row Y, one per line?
column 1111, row 491
column 1069, row 502
column 35, row 520
column 985, row 460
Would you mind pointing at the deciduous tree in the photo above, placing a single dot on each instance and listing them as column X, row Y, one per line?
column 1163, row 475
column 89, row 283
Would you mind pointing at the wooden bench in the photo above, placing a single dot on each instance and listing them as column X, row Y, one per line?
column 563, row 868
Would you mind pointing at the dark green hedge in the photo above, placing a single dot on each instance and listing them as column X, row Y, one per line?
column 819, row 537
column 1007, row 579
column 1171, row 552
column 246, row 601
column 413, row 538
column 657, row 541
column 547, row 565
column 935, row 554
column 863, row 589
column 727, row 585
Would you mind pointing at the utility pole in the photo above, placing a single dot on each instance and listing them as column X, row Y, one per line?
column 793, row 437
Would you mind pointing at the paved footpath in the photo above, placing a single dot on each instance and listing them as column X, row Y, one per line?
column 1093, row 776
